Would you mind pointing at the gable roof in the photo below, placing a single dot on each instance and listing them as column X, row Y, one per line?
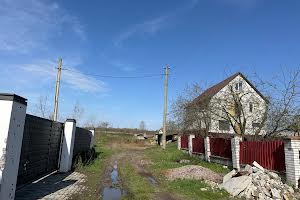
column 210, row 92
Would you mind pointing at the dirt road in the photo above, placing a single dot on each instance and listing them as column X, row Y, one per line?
column 127, row 152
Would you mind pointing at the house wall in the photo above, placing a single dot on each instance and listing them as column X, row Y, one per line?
column 222, row 98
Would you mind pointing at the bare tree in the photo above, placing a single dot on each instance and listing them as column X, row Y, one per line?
column 190, row 114
column 142, row 125
column 284, row 95
column 103, row 124
column 242, row 109
column 77, row 112
column 42, row 106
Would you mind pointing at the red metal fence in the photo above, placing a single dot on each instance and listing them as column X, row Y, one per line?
column 184, row 142
column 269, row 154
column 198, row 145
column 221, row 147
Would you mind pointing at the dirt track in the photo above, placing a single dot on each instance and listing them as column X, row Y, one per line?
column 133, row 153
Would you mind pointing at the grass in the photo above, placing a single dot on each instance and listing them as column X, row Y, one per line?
column 136, row 186
column 166, row 159
column 189, row 189
column 95, row 169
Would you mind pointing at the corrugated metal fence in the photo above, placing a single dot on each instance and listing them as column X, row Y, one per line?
column 221, row 147
column 198, row 145
column 184, row 142
column 40, row 148
column 269, row 154
column 82, row 140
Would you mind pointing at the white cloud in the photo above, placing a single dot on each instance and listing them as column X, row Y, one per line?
column 73, row 78
column 29, row 24
column 154, row 25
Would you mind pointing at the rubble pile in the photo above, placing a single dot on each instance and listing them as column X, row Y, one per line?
column 255, row 182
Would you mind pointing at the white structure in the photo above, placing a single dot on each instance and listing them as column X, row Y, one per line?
column 219, row 101
column 13, row 113
column 190, row 143
column 207, row 148
column 292, row 160
column 67, row 146
column 92, row 138
column 235, row 149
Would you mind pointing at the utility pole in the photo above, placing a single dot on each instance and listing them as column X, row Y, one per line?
column 164, row 136
column 57, row 89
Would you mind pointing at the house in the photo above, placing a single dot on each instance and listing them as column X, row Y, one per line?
column 169, row 137
column 232, row 106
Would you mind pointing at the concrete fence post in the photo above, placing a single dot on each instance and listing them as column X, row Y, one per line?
column 292, row 161
column 12, row 121
column 190, row 142
column 179, row 142
column 67, row 145
column 92, row 138
column 235, row 150
column 207, row 148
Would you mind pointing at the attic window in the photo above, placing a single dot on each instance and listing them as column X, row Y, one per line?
column 250, row 107
column 239, row 86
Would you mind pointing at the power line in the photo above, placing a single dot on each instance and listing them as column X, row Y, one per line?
column 120, row 77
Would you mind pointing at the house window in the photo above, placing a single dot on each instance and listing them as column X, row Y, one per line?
column 255, row 125
column 224, row 125
column 239, row 86
column 250, row 107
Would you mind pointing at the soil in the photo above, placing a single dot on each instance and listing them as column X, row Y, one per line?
column 133, row 154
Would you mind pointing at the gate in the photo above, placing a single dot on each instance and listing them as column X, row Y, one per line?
column 269, row 154
column 40, row 148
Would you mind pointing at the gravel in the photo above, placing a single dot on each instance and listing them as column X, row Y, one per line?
column 193, row 172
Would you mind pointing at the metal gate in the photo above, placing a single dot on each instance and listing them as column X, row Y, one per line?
column 40, row 148
column 269, row 154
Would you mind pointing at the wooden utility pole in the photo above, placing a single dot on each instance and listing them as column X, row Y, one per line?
column 57, row 90
column 164, row 136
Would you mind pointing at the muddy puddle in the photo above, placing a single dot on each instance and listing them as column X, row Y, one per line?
column 150, row 178
column 113, row 192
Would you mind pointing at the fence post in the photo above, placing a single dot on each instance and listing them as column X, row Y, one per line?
column 67, row 145
column 13, row 114
column 207, row 148
column 190, row 142
column 179, row 142
column 292, row 161
column 92, row 138
column 235, row 150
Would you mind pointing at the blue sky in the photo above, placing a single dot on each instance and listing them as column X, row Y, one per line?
column 202, row 40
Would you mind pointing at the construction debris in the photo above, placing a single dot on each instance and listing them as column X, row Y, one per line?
column 255, row 182
column 195, row 172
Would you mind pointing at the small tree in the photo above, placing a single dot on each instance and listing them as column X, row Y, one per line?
column 77, row 112
column 142, row 125
column 42, row 106
column 103, row 124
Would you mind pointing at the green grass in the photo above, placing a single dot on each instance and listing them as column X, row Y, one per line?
column 189, row 189
column 136, row 186
column 95, row 169
column 166, row 159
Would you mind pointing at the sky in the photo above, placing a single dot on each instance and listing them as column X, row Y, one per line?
column 201, row 40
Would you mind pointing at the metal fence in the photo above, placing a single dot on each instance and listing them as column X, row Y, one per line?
column 221, row 147
column 82, row 140
column 198, row 145
column 269, row 154
column 40, row 148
